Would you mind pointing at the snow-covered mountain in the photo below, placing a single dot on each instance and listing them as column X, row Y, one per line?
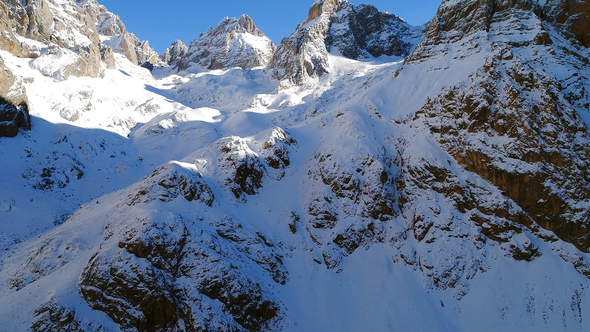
column 337, row 26
column 231, row 43
column 432, row 178
column 68, row 37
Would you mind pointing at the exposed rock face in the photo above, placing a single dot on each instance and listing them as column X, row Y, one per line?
column 573, row 15
column 107, row 56
column 161, row 271
column 109, row 23
column 12, row 118
column 356, row 32
column 535, row 149
column 463, row 20
column 121, row 41
column 41, row 20
column 243, row 168
column 70, row 29
column 174, row 53
column 146, row 54
column 44, row 21
column 362, row 31
column 304, row 54
column 231, row 43
column 127, row 43
column 160, row 276
column 170, row 181
column 51, row 316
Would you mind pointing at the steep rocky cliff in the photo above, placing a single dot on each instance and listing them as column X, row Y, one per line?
column 82, row 34
column 518, row 119
column 174, row 53
column 337, row 26
column 231, row 43
column 362, row 31
column 115, row 35
column 445, row 190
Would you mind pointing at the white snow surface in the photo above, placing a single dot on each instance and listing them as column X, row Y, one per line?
column 95, row 142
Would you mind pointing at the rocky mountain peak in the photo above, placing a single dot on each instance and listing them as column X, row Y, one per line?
column 246, row 24
column 320, row 7
column 232, row 42
column 337, row 26
column 243, row 24
column 174, row 53
column 116, row 36
column 370, row 33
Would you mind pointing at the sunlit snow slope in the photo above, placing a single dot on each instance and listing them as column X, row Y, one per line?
column 444, row 191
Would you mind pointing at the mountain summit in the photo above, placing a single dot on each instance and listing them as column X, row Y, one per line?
column 337, row 26
column 232, row 42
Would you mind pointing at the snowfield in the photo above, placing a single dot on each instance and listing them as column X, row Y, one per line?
column 225, row 200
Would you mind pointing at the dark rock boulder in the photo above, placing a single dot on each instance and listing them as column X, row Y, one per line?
column 13, row 118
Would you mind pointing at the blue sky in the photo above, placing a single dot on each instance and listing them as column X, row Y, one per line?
column 163, row 22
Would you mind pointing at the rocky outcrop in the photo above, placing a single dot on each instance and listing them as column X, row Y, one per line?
column 571, row 15
column 161, row 270
column 51, row 316
column 541, row 164
column 43, row 21
column 337, row 26
column 231, row 43
column 463, row 20
column 174, row 53
column 362, row 31
column 243, row 167
column 13, row 16
column 107, row 56
column 138, row 52
column 109, row 24
column 121, row 41
column 170, row 181
column 304, row 54
column 70, row 29
column 13, row 118
column 159, row 275
column 6, row 78
column 514, row 121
